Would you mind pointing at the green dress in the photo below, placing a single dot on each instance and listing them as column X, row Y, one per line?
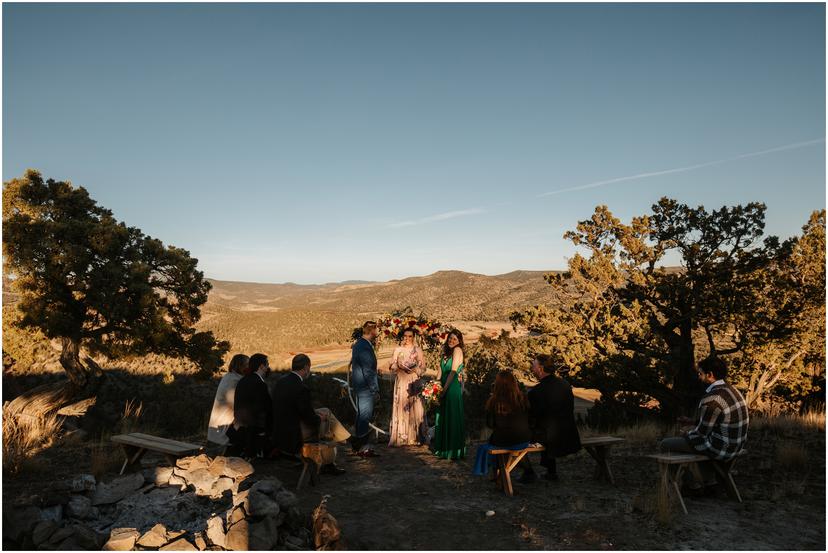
column 450, row 426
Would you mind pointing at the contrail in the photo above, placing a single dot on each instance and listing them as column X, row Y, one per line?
column 684, row 169
column 438, row 217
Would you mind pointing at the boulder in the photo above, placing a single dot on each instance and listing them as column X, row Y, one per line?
column 54, row 513
column 42, row 531
column 78, row 506
column 240, row 497
column 177, row 481
column 201, row 480
column 154, row 537
column 260, row 505
column 263, row 535
column 117, row 489
column 86, row 537
column 199, row 542
column 215, row 531
column 236, row 515
column 237, row 537
column 268, row 487
column 286, row 499
column 20, row 521
column 121, row 539
column 61, row 535
column 180, row 544
column 160, row 476
column 83, row 483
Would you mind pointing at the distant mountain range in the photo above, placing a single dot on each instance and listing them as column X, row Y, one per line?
column 448, row 295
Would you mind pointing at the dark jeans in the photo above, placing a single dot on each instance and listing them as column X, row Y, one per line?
column 365, row 413
column 248, row 441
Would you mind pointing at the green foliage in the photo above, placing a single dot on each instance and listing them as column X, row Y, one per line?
column 96, row 283
column 627, row 323
column 23, row 347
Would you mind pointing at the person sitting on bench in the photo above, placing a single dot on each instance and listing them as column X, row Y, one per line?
column 720, row 427
column 507, row 414
column 221, row 416
column 294, row 419
column 252, row 411
column 552, row 417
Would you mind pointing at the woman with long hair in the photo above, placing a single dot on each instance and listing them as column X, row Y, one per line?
column 450, row 426
column 507, row 414
column 407, row 410
column 221, row 417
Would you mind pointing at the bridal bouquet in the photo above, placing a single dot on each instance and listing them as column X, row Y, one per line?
column 431, row 393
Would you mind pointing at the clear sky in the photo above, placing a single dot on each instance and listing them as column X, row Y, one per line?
column 316, row 143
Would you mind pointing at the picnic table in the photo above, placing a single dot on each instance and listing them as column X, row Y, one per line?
column 135, row 444
column 599, row 449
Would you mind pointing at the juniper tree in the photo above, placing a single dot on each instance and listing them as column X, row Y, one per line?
column 96, row 284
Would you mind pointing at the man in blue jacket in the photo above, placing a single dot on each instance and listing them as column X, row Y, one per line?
column 364, row 385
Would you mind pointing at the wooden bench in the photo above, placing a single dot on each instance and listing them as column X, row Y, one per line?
column 505, row 461
column 599, row 449
column 313, row 456
column 672, row 466
column 134, row 446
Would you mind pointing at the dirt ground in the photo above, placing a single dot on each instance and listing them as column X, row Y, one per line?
column 409, row 499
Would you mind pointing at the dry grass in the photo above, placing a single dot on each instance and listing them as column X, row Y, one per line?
column 24, row 437
column 104, row 458
column 791, row 423
column 131, row 417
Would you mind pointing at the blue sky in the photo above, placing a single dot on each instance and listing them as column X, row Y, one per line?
column 316, row 143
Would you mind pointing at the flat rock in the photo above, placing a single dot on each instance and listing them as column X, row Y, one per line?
column 154, row 537
column 201, row 480
column 236, row 468
column 43, row 530
column 180, row 544
column 199, row 541
column 118, row 489
column 121, row 539
column 86, row 537
column 260, row 505
column 187, row 464
column 176, row 480
column 78, row 506
column 240, row 497
column 236, row 515
column 237, row 536
column 215, row 531
column 222, row 485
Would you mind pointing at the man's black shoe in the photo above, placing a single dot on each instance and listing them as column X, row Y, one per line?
column 332, row 469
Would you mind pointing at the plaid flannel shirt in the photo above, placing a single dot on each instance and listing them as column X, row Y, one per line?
column 723, row 423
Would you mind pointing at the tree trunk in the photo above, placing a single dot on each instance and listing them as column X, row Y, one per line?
column 686, row 384
column 47, row 399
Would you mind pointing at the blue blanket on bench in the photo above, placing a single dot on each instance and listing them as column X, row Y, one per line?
column 484, row 461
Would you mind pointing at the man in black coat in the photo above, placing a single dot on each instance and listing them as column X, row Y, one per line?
column 294, row 419
column 552, row 417
column 252, row 410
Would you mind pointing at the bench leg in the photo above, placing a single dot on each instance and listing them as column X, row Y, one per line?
column 675, row 478
column 723, row 472
column 601, row 455
column 132, row 454
column 507, row 479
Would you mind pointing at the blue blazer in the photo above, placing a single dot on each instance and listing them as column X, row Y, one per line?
column 363, row 367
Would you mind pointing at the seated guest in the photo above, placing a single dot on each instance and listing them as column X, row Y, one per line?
column 294, row 419
column 720, row 427
column 221, row 417
column 552, row 417
column 507, row 414
column 252, row 410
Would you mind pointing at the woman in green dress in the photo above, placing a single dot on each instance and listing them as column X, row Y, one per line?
column 450, row 426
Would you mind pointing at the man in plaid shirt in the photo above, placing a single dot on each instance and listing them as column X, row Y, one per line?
column 721, row 422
